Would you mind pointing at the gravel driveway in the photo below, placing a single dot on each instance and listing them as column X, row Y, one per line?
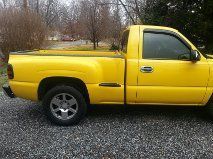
column 107, row 132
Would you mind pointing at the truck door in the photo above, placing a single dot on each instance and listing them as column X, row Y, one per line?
column 166, row 74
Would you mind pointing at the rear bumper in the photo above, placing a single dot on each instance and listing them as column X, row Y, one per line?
column 8, row 92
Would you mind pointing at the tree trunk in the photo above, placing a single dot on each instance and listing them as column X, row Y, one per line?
column 25, row 5
column 94, row 45
column 97, row 44
column 37, row 6
column 4, row 3
column 128, row 13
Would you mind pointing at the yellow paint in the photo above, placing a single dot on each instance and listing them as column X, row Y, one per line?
column 173, row 82
column 92, row 71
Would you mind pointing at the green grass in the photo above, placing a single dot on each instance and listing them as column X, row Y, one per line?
column 2, row 68
column 3, row 80
column 3, row 77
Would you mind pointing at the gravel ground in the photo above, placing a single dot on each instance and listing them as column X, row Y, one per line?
column 107, row 132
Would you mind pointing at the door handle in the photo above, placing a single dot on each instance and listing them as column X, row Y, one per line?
column 147, row 69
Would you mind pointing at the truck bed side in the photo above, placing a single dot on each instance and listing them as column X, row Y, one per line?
column 102, row 75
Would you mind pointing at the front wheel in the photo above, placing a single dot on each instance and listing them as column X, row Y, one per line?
column 65, row 105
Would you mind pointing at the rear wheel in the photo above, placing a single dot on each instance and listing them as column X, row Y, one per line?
column 65, row 105
column 209, row 107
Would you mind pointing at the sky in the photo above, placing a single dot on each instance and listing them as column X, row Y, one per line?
column 68, row 1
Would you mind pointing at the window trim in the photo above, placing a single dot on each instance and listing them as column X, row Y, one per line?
column 166, row 32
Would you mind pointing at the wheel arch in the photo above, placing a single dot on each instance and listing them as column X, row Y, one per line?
column 50, row 82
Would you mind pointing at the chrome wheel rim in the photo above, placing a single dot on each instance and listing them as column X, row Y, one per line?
column 64, row 106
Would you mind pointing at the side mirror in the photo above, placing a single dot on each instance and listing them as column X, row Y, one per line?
column 195, row 56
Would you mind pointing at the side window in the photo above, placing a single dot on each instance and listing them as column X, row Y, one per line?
column 164, row 46
column 124, row 41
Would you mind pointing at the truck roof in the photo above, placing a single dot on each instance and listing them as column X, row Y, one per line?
column 154, row 27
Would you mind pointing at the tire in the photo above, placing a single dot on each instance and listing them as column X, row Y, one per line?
column 209, row 108
column 64, row 105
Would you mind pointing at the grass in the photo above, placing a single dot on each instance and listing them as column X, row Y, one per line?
column 102, row 48
column 3, row 77
column 3, row 80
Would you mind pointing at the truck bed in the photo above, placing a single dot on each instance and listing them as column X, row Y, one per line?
column 101, row 72
column 68, row 53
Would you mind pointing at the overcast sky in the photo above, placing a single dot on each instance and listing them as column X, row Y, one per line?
column 67, row 1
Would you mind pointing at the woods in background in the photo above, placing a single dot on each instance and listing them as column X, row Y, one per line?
column 193, row 18
column 99, row 20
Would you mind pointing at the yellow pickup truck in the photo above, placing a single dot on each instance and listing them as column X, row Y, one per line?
column 156, row 66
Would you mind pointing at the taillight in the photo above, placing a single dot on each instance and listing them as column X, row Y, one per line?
column 10, row 72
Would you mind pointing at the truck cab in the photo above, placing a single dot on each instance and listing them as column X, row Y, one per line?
column 169, row 70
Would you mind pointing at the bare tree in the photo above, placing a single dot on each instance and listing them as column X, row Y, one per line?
column 134, row 9
column 51, row 12
column 37, row 6
column 20, row 31
column 4, row 3
column 25, row 5
column 70, row 19
column 126, row 8
column 90, row 18
column 116, row 26
column 96, row 20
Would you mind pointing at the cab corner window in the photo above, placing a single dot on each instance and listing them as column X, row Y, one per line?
column 160, row 46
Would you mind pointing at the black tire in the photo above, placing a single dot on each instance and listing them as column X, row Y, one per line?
column 209, row 108
column 80, row 112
